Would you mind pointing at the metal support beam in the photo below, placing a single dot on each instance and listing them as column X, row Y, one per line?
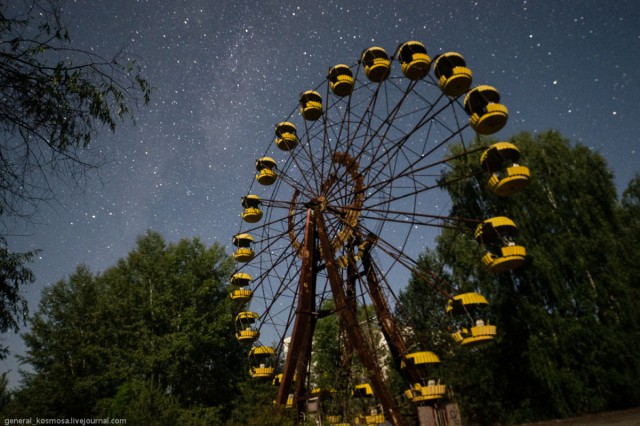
column 390, row 329
column 349, row 319
column 300, row 345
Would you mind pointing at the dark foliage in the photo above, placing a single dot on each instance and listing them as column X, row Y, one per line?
column 54, row 98
column 568, row 329
column 149, row 339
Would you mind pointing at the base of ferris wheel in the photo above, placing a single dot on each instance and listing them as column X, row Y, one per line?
column 447, row 414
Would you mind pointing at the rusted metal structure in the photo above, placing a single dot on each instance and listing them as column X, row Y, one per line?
column 343, row 207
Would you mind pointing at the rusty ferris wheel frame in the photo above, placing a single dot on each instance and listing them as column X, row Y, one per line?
column 348, row 204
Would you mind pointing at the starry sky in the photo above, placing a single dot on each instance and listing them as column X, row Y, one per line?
column 225, row 72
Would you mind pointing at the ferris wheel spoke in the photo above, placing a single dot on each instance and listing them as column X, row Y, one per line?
column 309, row 182
column 418, row 191
column 412, row 169
column 400, row 143
column 284, row 290
column 269, row 241
column 411, row 264
column 334, row 129
column 378, row 132
column 389, row 120
column 360, row 121
column 269, row 224
column 281, row 204
column 416, row 219
column 316, row 164
column 386, row 286
column 281, row 322
column 282, row 257
column 426, row 139
column 284, row 177
column 303, row 185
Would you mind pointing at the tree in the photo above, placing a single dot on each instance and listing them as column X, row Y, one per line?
column 144, row 403
column 328, row 353
column 54, row 98
column 566, row 322
column 421, row 309
column 65, row 349
column 5, row 395
column 253, row 406
column 13, row 274
column 337, row 368
column 629, row 216
column 155, row 332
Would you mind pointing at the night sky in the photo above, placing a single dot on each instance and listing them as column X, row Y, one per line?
column 225, row 72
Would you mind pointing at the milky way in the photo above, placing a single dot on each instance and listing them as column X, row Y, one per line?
column 225, row 72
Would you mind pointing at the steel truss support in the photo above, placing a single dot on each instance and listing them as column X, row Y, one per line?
column 390, row 330
column 352, row 327
column 299, row 351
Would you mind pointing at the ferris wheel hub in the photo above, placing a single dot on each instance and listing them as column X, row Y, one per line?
column 318, row 204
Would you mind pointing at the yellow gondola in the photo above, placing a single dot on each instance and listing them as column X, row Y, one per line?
column 497, row 236
column 432, row 391
column 242, row 294
column 454, row 78
column 371, row 419
column 245, row 331
column 252, row 212
column 323, row 392
column 311, row 105
column 278, row 378
column 430, row 388
column 261, row 359
column 289, row 403
column 486, row 114
column 266, row 174
column 241, row 279
column 420, row 358
column 507, row 176
column 377, row 65
column 341, row 80
column 470, row 306
column 336, row 421
column 362, row 390
column 244, row 253
column 332, row 408
column 365, row 391
column 414, row 59
column 286, row 136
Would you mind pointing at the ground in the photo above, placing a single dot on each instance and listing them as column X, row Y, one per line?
column 620, row 418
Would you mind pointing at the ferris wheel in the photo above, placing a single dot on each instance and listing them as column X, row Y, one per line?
column 345, row 198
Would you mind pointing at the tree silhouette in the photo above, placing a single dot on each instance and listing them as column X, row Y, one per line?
column 150, row 339
column 54, row 98
column 567, row 325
